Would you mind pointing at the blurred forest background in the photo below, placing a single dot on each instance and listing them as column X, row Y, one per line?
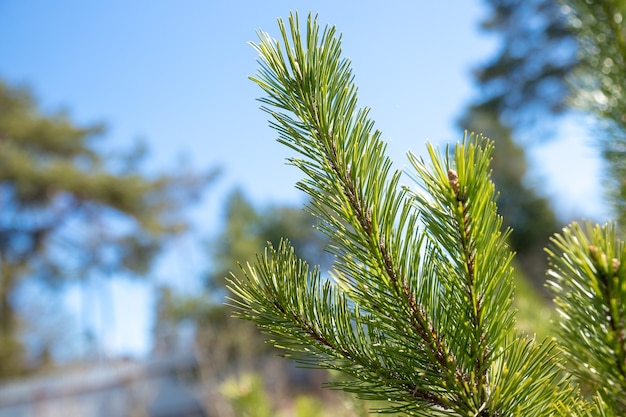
column 76, row 214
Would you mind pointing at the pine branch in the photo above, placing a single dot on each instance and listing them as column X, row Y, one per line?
column 354, row 219
column 339, row 336
column 417, row 306
column 460, row 219
column 588, row 280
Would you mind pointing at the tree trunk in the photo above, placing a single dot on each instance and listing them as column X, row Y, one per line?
column 11, row 360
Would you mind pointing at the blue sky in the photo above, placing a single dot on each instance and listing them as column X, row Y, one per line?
column 175, row 75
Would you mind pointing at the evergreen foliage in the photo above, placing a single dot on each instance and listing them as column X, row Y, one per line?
column 589, row 282
column 529, row 215
column 416, row 309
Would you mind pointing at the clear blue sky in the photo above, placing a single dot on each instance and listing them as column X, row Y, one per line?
column 175, row 74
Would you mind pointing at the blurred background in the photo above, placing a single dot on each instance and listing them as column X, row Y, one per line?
column 136, row 170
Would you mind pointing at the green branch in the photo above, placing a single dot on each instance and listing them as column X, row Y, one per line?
column 416, row 309
column 588, row 280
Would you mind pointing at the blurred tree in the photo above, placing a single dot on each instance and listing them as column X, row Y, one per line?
column 247, row 231
column 599, row 85
column 525, row 82
column 555, row 55
column 523, row 85
column 69, row 211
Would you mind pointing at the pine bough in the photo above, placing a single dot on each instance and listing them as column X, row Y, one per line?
column 417, row 308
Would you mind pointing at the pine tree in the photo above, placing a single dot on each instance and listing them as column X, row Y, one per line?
column 70, row 211
column 416, row 308
column 599, row 82
column 524, row 82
